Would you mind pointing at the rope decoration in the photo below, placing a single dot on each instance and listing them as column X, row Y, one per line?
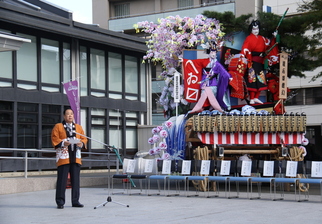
column 201, row 153
column 298, row 154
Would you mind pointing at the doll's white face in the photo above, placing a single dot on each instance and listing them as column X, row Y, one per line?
column 213, row 54
column 255, row 31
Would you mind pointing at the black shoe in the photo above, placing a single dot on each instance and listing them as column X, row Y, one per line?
column 78, row 205
column 60, row 206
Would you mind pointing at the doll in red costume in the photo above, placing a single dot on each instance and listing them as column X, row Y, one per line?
column 254, row 48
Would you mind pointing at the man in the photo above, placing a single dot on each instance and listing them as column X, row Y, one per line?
column 68, row 145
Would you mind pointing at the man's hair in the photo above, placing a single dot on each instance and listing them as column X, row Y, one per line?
column 67, row 109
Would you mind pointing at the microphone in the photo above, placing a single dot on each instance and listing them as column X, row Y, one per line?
column 111, row 148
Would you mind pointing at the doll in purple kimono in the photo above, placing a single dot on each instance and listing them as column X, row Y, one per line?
column 217, row 78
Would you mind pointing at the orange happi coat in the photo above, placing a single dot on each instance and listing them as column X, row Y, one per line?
column 58, row 135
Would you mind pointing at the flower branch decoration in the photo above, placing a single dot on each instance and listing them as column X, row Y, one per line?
column 170, row 35
column 166, row 99
column 158, row 140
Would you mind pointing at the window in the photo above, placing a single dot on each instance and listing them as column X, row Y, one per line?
column 83, row 119
column 115, row 128
column 6, row 66
column 185, row 3
column 131, row 75
column 143, row 81
column 27, row 126
column 27, row 61
column 217, row 1
column 122, row 10
column 131, row 133
column 115, row 74
column 315, row 95
column 98, row 128
column 50, row 116
column 156, row 106
column 6, row 124
column 297, row 99
column 66, row 62
column 83, row 71
column 50, row 61
column 307, row 96
column 98, row 72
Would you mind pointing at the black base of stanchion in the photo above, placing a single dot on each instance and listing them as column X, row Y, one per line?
column 109, row 199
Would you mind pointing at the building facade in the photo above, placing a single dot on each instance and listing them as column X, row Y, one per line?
column 107, row 65
column 120, row 15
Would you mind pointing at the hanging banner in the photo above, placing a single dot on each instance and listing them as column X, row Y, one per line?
column 71, row 89
column 193, row 62
column 176, row 87
column 283, row 75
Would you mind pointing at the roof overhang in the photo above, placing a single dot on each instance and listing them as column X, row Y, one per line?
column 9, row 42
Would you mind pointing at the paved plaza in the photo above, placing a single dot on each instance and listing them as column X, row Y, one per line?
column 39, row 207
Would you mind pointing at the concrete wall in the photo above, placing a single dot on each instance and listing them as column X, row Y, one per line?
column 101, row 13
column 168, row 5
column 11, row 183
column 245, row 7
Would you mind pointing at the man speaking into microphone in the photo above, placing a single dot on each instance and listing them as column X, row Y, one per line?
column 68, row 145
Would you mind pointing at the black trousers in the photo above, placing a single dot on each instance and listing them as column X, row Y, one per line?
column 62, row 175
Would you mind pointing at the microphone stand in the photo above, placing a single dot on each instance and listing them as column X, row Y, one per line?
column 111, row 148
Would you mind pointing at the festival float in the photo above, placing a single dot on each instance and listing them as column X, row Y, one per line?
column 212, row 113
